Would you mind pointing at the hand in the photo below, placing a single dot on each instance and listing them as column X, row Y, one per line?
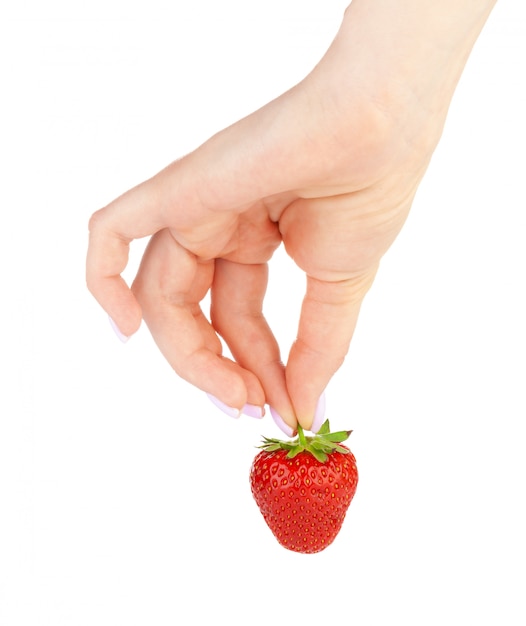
column 330, row 169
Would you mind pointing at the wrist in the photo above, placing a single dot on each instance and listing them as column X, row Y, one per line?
column 411, row 48
column 402, row 60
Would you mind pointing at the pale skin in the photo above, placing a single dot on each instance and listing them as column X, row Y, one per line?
column 329, row 169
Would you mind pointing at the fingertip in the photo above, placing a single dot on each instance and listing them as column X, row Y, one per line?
column 120, row 335
column 118, row 301
column 126, row 320
column 253, row 410
column 319, row 414
column 313, row 420
column 281, row 423
column 225, row 408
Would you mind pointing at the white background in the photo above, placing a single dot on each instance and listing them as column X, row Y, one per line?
column 104, row 451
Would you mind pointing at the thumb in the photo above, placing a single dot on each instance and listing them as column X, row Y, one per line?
column 328, row 318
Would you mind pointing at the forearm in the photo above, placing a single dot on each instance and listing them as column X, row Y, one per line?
column 405, row 55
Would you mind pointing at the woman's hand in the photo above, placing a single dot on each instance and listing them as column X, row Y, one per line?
column 330, row 169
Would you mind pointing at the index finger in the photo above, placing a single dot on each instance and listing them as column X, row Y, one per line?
column 135, row 214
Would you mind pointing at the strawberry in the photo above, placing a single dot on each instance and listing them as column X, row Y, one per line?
column 304, row 487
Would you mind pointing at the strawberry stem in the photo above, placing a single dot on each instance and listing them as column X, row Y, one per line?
column 301, row 436
column 320, row 445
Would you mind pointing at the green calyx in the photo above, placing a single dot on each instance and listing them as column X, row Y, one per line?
column 320, row 445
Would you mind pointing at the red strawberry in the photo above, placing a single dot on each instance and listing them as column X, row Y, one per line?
column 304, row 487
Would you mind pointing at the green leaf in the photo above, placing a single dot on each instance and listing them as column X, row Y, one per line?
column 339, row 436
column 294, row 451
column 272, row 447
column 323, row 446
column 321, row 456
column 320, row 445
column 325, row 428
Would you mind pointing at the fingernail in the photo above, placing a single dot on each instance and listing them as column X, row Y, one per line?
column 229, row 410
column 253, row 410
column 117, row 331
column 280, row 423
column 319, row 414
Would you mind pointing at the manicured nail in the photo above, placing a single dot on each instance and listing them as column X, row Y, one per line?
column 117, row 331
column 252, row 410
column 281, row 424
column 319, row 415
column 229, row 410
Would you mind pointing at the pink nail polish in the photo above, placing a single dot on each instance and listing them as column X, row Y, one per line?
column 319, row 414
column 280, row 423
column 124, row 338
column 252, row 410
column 228, row 410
